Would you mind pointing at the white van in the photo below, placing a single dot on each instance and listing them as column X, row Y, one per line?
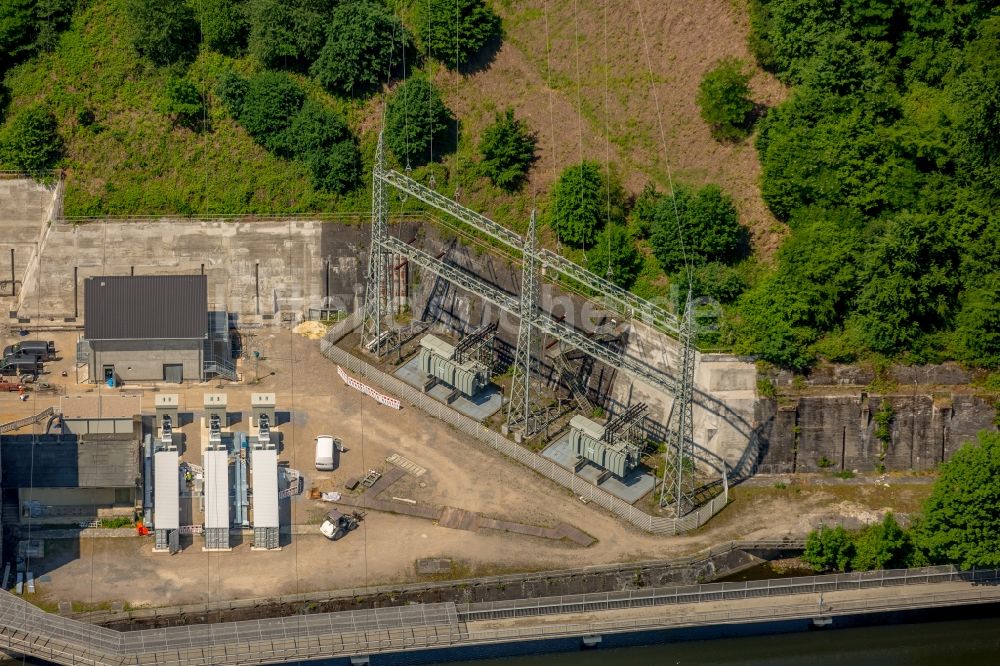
column 324, row 453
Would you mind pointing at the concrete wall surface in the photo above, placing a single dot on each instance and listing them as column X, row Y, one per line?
column 25, row 208
column 255, row 268
column 924, row 430
column 143, row 360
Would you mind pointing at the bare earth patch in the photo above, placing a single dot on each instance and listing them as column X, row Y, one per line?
column 588, row 99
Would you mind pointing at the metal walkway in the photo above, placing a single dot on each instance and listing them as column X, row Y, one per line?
column 25, row 629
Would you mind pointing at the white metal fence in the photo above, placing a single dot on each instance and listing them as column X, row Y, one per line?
column 583, row 489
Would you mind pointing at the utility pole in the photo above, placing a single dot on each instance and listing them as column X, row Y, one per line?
column 523, row 412
column 377, row 293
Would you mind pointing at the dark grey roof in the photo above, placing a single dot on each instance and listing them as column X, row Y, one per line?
column 69, row 461
column 145, row 307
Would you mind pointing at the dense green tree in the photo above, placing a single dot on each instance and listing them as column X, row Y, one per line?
column 455, row 30
column 223, row 23
column 31, row 141
column 288, row 34
column 27, row 26
column 724, row 100
column 578, row 204
column 615, row 246
column 961, row 521
column 977, row 325
column 884, row 545
column 910, row 282
column 643, row 212
column 272, row 100
column 977, row 96
column 713, row 280
column 508, row 150
column 182, row 102
column 322, row 140
column 696, row 228
column 364, row 47
column 417, row 122
column 829, row 549
column 231, row 90
column 163, row 32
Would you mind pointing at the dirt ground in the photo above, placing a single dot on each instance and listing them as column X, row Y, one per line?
column 460, row 473
column 617, row 82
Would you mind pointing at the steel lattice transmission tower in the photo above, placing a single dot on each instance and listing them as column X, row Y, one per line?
column 523, row 409
column 377, row 293
column 678, row 487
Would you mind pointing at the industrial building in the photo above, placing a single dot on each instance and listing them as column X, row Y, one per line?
column 73, row 476
column 152, row 328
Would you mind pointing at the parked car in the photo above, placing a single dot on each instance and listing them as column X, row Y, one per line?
column 45, row 350
column 324, row 453
column 338, row 524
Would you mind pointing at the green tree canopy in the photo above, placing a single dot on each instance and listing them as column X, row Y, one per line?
column 710, row 229
column 615, row 246
column 288, row 34
column 829, row 549
column 508, row 150
column 272, row 100
column 31, row 141
column 224, row 25
column 884, row 545
column 724, row 100
column 322, row 139
column 961, row 523
column 182, row 102
column 164, row 32
column 579, row 204
column 455, row 30
column 417, row 122
column 364, row 47
column 28, row 26
column 910, row 279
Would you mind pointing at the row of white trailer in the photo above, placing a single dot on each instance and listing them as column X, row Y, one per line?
column 223, row 476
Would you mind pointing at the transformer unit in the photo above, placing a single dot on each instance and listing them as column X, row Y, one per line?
column 616, row 447
column 437, row 359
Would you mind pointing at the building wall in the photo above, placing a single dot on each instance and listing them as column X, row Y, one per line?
column 104, row 497
column 143, row 360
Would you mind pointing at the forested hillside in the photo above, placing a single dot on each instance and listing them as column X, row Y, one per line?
column 859, row 137
column 885, row 164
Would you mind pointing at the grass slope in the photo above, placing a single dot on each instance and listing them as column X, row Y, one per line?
column 551, row 68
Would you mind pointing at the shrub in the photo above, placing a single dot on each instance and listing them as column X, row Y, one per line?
column 417, row 122
column 508, row 150
column 714, row 280
column 829, row 549
column 231, row 91
column 579, row 206
column 287, row 34
column 710, row 228
column 224, row 25
column 31, row 142
column 271, row 102
column 164, row 32
column 961, row 522
column 182, row 102
column 614, row 242
column 884, row 545
column 323, row 141
column 455, row 29
column 724, row 100
column 363, row 48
